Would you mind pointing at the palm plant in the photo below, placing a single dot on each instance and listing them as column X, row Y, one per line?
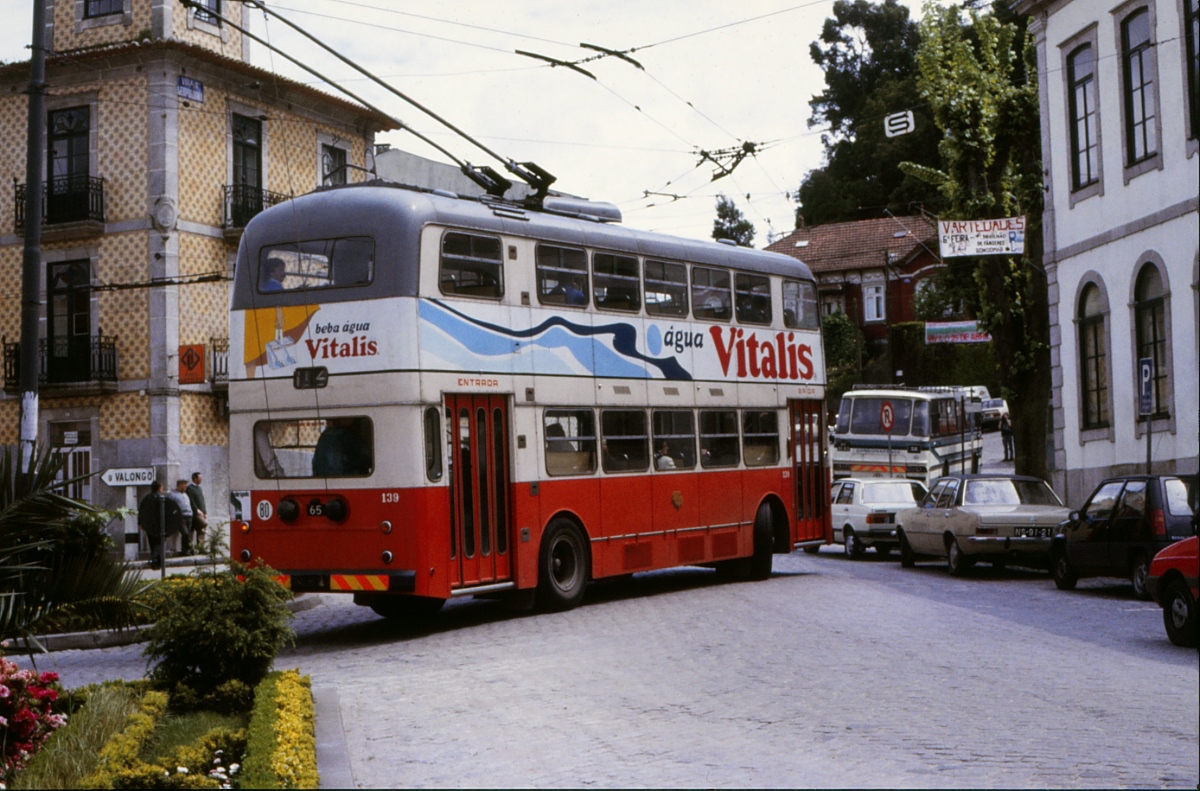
column 54, row 559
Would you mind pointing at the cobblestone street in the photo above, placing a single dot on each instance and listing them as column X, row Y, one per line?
column 831, row 674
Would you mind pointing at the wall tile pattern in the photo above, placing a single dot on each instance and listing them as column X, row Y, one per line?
column 198, row 421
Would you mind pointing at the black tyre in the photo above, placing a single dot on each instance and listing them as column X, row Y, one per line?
column 958, row 563
column 562, row 567
column 764, row 544
column 908, row 558
column 1179, row 615
column 1139, row 569
column 883, row 550
column 413, row 609
column 1064, row 573
column 852, row 544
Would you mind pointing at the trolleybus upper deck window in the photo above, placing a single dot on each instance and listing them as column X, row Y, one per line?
column 471, row 266
column 562, row 277
column 616, row 282
column 711, row 295
column 753, row 298
column 316, row 263
column 800, row 305
column 666, row 289
column 341, row 447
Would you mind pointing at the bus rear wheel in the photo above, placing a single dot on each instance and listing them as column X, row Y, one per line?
column 764, row 544
column 562, row 567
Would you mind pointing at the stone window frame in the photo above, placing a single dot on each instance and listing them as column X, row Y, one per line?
column 89, row 253
column 1089, row 36
column 204, row 26
column 1160, row 424
column 233, row 108
column 1105, row 432
column 333, row 141
column 1120, row 14
column 1191, row 91
column 122, row 17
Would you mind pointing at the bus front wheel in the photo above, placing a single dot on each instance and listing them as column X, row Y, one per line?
column 764, row 544
column 562, row 568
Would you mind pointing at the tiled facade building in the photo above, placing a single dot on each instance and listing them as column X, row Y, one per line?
column 1120, row 110
column 162, row 142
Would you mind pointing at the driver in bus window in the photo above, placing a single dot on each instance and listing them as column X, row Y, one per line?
column 274, row 270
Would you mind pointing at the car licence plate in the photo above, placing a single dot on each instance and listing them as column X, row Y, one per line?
column 1032, row 532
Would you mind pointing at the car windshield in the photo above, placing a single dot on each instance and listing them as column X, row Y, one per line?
column 1003, row 491
column 891, row 492
column 1177, row 499
column 993, row 403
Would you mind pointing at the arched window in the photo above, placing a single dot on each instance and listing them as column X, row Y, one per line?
column 1150, row 319
column 1093, row 359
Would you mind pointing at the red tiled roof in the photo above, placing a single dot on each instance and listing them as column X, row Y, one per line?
column 841, row 246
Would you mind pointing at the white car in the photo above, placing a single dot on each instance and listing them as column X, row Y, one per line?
column 864, row 511
column 993, row 409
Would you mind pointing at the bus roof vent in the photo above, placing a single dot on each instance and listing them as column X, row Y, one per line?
column 729, row 242
column 598, row 211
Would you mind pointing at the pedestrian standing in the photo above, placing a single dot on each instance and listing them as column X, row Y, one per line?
column 155, row 515
column 185, row 515
column 199, row 509
column 1006, row 434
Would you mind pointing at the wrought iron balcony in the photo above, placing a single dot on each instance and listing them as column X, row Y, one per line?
column 66, row 200
column 218, row 368
column 242, row 202
column 76, row 362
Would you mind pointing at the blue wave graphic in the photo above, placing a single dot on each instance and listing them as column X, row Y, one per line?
column 556, row 332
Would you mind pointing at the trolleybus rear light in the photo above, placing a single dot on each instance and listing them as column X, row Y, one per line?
column 387, row 556
column 244, row 527
column 336, row 509
column 244, row 555
column 386, row 527
column 289, row 510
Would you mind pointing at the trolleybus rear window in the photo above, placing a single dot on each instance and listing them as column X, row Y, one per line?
column 316, row 263
column 471, row 265
column 342, row 447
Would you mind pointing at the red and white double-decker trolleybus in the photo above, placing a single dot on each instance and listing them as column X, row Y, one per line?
column 433, row 396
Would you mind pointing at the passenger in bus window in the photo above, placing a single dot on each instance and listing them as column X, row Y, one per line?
column 574, row 293
column 274, row 271
column 662, row 459
column 341, row 450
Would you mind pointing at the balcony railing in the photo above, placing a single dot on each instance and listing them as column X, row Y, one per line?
column 242, row 202
column 89, row 360
column 218, row 368
column 69, row 199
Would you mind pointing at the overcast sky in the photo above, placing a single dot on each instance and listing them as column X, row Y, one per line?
column 716, row 75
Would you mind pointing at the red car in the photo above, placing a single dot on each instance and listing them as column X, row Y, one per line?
column 1173, row 579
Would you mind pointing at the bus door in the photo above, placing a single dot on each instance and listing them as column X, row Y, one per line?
column 480, row 512
column 811, row 477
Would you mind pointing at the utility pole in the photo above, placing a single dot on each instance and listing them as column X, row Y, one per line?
column 31, row 308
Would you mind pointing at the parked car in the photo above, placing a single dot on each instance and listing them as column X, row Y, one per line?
column 1173, row 581
column 993, row 409
column 970, row 517
column 864, row 511
column 1124, row 523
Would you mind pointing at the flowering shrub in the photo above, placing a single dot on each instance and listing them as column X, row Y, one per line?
column 281, row 741
column 26, row 716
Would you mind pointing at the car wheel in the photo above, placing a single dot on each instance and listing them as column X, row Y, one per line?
column 956, row 561
column 1065, row 576
column 1139, row 569
column 883, row 550
column 908, row 558
column 562, row 567
column 1179, row 615
column 854, row 545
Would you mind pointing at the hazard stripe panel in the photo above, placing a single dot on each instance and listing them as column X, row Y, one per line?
column 358, row 582
column 876, row 468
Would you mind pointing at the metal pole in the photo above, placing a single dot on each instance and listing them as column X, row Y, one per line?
column 1149, row 429
column 31, row 307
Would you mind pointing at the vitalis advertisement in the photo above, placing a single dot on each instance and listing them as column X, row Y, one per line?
column 348, row 337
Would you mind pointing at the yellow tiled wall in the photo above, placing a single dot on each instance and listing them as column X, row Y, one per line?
column 203, row 155
column 121, row 124
column 122, row 416
column 203, row 307
column 199, row 423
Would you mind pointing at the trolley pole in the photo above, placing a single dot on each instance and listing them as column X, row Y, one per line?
column 32, row 261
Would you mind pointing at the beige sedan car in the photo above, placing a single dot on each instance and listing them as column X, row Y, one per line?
column 992, row 518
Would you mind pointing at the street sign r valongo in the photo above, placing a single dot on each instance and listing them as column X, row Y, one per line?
column 128, row 476
column 1004, row 236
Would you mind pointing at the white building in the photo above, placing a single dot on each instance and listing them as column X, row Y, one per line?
column 1118, row 82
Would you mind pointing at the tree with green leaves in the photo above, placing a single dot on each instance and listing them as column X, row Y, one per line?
column 732, row 224
column 978, row 73
column 867, row 51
